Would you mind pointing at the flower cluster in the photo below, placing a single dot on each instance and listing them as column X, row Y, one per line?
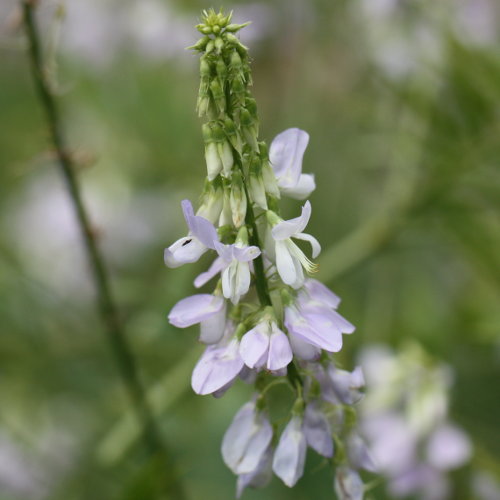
column 265, row 321
column 405, row 418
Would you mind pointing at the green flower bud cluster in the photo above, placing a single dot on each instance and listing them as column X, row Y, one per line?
column 232, row 148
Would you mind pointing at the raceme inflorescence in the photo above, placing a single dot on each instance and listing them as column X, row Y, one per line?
column 266, row 320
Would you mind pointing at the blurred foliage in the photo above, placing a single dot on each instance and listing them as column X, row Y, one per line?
column 406, row 208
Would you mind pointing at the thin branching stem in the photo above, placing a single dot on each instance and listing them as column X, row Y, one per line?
column 113, row 327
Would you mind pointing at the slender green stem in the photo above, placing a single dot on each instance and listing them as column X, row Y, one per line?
column 114, row 329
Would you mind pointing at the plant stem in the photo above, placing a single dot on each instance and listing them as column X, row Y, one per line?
column 107, row 309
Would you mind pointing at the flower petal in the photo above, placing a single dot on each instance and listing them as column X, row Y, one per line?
column 286, row 153
column 201, row 228
column 289, row 458
column 302, row 349
column 203, row 278
column 304, row 187
column 259, row 477
column 246, row 254
column 195, row 309
column 313, row 328
column 448, row 448
column 212, row 328
column 254, row 345
column 316, row 247
column 280, row 352
column 183, row 251
column 348, row 484
column 321, row 293
column 217, row 367
column 246, row 440
column 288, row 228
column 289, row 268
column 317, row 430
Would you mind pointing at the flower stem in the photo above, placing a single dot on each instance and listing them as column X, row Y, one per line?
column 107, row 309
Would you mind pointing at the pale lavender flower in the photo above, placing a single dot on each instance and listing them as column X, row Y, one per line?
column 348, row 484
column 236, row 259
column 267, row 346
column 302, row 349
column 341, row 386
column 448, row 447
column 320, row 293
column 218, row 366
column 317, row 430
column 212, row 328
column 247, row 439
column 285, row 154
column 201, row 237
column 290, row 259
column 313, row 328
column 360, row 456
column 290, row 454
column 259, row 477
column 195, row 309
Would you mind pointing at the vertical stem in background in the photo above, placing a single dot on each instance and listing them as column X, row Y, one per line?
column 113, row 327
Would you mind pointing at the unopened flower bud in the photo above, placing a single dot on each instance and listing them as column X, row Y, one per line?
column 231, row 39
column 256, row 184
column 219, row 44
column 218, row 95
column 270, row 182
column 211, row 202
column 238, row 91
column 225, row 218
column 221, row 70
column 249, row 128
column 200, row 44
column 233, row 28
column 205, row 70
column 232, row 134
column 238, row 200
column 210, row 47
column 214, row 163
column 223, row 148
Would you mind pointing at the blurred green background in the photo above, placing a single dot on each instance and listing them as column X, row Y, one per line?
column 402, row 102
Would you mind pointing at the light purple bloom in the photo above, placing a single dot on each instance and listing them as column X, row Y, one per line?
column 285, row 154
column 219, row 365
column 359, row 455
column 308, row 306
column 201, row 236
column 290, row 259
column 195, row 309
column 259, row 477
column 320, row 293
column 266, row 345
column 448, row 447
column 313, row 328
column 236, row 271
column 212, row 328
column 289, row 457
column 234, row 264
column 341, row 386
column 348, row 484
column 246, row 440
column 302, row 349
column 317, row 430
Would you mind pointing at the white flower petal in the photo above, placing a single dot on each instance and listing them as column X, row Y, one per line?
column 286, row 153
column 288, row 228
column 316, row 247
column 203, row 278
column 290, row 454
column 304, row 187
